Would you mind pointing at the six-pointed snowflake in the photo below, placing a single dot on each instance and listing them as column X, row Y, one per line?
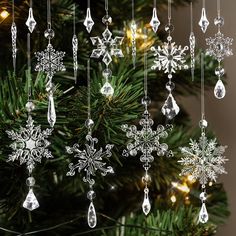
column 146, row 140
column 50, row 61
column 169, row 58
column 90, row 160
column 219, row 46
column 30, row 144
column 203, row 160
column 107, row 47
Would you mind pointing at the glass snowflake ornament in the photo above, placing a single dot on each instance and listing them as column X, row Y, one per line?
column 203, row 160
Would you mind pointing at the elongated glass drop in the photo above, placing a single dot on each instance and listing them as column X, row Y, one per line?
column 154, row 21
column 219, row 90
column 92, row 217
column 88, row 22
column 170, row 108
column 146, row 203
column 203, row 215
column 51, row 110
column 203, row 23
column 31, row 203
column 31, row 23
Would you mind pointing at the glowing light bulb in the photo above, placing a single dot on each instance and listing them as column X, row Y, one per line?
column 4, row 14
column 173, row 198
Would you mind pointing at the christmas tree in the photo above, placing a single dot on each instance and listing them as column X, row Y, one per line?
column 63, row 202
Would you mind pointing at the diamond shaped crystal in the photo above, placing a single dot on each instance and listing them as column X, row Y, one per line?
column 88, row 22
column 107, row 34
column 31, row 203
column 107, row 58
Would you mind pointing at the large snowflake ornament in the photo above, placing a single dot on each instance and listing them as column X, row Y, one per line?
column 107, row 47
column 169, row 57
column 30, row 144
column 203, row 159
column 90, row 160
column 146, row 140
column 50, row 61
column 219, row 46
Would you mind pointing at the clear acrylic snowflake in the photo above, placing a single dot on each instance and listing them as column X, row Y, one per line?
column 146, row 140
column 203, row 159
column 107, row 47
column 30, row 144
column 50, row 61
column 90, row 160
column 169, row 58
column 219, row 46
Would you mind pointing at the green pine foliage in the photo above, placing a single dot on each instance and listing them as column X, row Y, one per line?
column 63, row 203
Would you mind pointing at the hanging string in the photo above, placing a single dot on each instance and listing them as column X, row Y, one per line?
column 218, row 8
column 203, row 3
column 202, row 87
column 29, row 67
column 88, row 3
column 74, row 7
column 13, row 10
column 106, row 7
column 31, row 3
column 169, row 11
column 154, row 3
column 49, row 13
column 145, row 65
column 89, row 89
column 191, row 15
column 132, row 9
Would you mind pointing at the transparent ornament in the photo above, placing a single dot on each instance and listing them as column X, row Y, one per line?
column 31, row 23
column 219, row 90
column 169, row 28
column 13, row 38
column 49, row 34
column 88, row 22
column 170, row 86
column 107, row 73
column 106, row 20
column 170, row 108
column 30, row 106
column 203, row 214
column 203, row 124
column 219, row 71
column 31, row 203
column 91, row 195
column 92, row 217
column 89, row 123
column 75, row 53
column 107, row 90
column 146, row 101
column 203, row 196
column 51, row 110
column 133, row 28
column 155, row 23
column 219, row 21
column 192, row 43
column 203, row 23
column 30, row 181
column 146, row 206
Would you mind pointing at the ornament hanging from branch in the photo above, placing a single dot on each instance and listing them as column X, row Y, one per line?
column 146, row 141
column 50, row 61
column 13, row 36
column 219, row 48
column 203, row 159
column 31, row 23
column 170, row 58
column 30, row 144
column 106, row 48
column 155, row 23
column 133, row 28
column 88, row 22
column 90, row 160
column 75, row 48
column 203, row 23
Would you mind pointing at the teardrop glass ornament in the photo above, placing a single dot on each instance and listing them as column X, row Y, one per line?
column 31, row 203
column 154, row 21
column 88, row 22
column 203, row 215
column 92, row 217
column 170, row 108
column 51, row 111
column 31, row 23
column 203, row 23
column 107, row 89
column 219, row 90
column 146, row 203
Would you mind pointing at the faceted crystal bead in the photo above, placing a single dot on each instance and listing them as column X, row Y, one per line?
column 219, row 90
column 106, row 20
column 30, row 181
column 107, row 89
column 107, row 73
column 49, row 33
column 91, row 195
column 146, row 101
column 203, row 124
column 219, row 71
column 170, row 108
column 146, row 179
column 169, row 28
column 31, row 202
column 146, row 206
column 30, row 106
column 154, row 21
column 170, row 86
column 203, row 196
column 88, row 22
column 107, row 58
column 31, row 23
column 203, row 215
column 92, row 218
column 203, row 23
column 51, row 111
column 89, row 123
column 219, row 21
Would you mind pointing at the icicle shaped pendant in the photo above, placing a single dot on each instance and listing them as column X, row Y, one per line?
column 192, row 42
column 203, row 23
column 51, row 110
column 146, row 203
column 154, row 21
column 92, row 217
column 219, row 90
column 75, row 54
column 13, row 38
column 133, row 28
column 31, row 203
column 203, row 214
column 31, row 23
column 170, row 108
column 88, row 22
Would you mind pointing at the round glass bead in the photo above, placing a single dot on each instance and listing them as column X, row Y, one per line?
column 49, row 34
column 219, row 71
column 203, row 196
column 203, row 123
column 89, row 123
column 107, row 20
column 30, row 181
column 170, row 86
column 30, row 106
column 146, row 101
column 219, row 21
column 146, row 179
column 91, row 195
column 169, row 28
column 107, row 73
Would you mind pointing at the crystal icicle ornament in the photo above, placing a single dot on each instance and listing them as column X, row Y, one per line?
column 203, row 23
column 88, row 22
column 146, row 206
column 203, row 214
column 107, row 90
column 51, row 110
column 192, row 42
column 31, row 23
column 133, row 28
column 219, row 90
column 170, row 108
column 154, row 21
column 75, row 54
column 92, row 217
column 31, row 203
column 13, row 38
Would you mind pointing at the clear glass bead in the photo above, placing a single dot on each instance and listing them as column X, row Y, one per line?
column 146, row 101
column 169, row 28
column 106, row 20
column 91, row 195
column 49, row 33
column 203, row 124
column 219, row 21
column 219, row 71
column 170, row 86
column 30, row 106
column 219, row 90
column 203, row 196
column 107, row 73
column 30, row 181
column 89, row 123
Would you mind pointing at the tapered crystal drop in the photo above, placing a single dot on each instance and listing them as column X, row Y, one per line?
column 31, row 23
column 88, row 22
column 203, row 23
column 219, row 90
column 170, row 108
column 13, row 38
column 146, row 203
column 107, row 89
column 31, row 203
column 154, row 21
column 203, row 215
column 92, row 217
column 51, row 111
